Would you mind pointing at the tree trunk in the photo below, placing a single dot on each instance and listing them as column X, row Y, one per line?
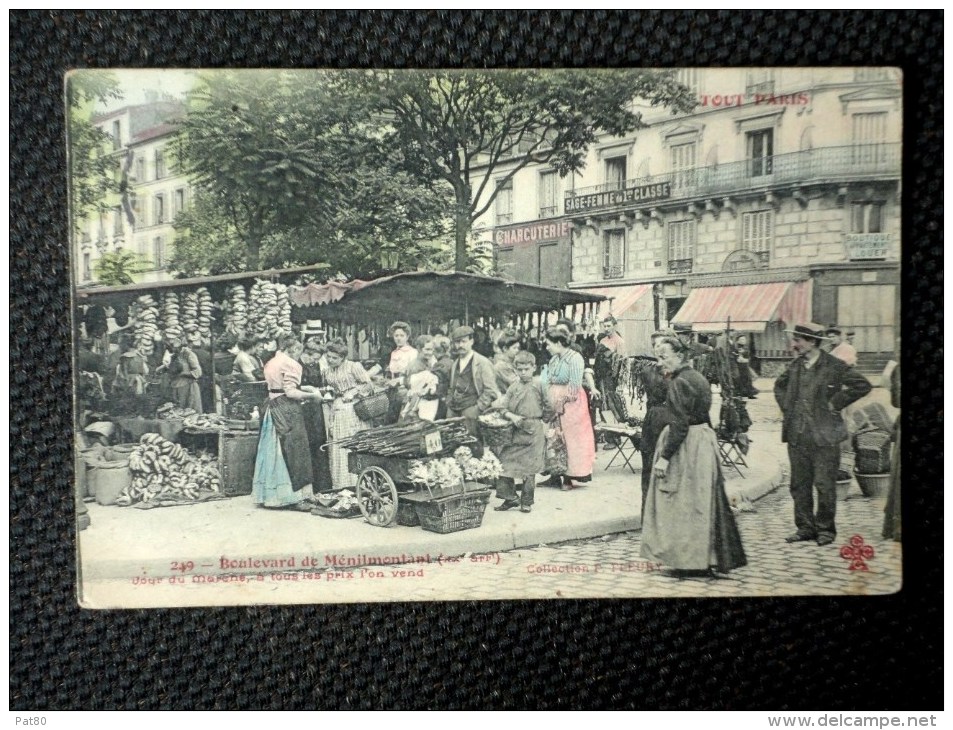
column 462, row 230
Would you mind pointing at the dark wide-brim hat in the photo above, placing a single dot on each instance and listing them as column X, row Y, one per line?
column 461, row 332
column 809, row 329
column 833, row 329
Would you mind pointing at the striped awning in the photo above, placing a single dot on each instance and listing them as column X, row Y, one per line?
column 621, row 298
column 749, row 307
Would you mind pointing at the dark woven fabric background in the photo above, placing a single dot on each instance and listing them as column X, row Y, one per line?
column 875, row 653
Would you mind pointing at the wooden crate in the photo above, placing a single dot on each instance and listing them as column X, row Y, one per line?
column 236, row 461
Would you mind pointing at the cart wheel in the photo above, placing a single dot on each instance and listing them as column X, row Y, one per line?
column 377, row 496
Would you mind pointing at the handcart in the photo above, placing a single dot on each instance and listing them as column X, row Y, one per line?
column 382, row 458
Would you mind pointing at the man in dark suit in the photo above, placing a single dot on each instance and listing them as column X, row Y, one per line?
column 811, row 393
column 472, row 381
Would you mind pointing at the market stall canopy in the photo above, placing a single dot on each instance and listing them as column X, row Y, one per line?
column 750, row 307
column 216, row 283
column 429, row 295
column 622, row 298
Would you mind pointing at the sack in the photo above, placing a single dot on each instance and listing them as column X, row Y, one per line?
column 557, row 457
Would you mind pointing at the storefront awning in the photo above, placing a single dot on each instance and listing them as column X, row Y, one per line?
column 749, row 307
column 622, row 298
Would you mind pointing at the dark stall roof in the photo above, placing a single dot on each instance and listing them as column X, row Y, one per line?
column 429, row 295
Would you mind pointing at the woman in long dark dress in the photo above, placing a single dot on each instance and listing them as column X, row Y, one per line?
column 283, row 462
column 687, row 524
column 313, row 411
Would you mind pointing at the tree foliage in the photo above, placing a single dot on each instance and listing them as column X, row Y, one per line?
column 92, row 167
column 118, row 268
column 294, row 173
column 462, row 126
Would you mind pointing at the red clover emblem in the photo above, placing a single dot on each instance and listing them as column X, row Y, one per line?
column 857, row 553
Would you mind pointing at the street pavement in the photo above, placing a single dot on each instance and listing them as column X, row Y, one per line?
column 583, row 543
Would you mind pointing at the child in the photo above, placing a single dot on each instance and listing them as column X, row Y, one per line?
column 526, row 405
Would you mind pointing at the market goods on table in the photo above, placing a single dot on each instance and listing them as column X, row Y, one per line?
column 205, row 421
column 170, row 411
column 164, row 471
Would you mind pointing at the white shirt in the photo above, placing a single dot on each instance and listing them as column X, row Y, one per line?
column 464, row 361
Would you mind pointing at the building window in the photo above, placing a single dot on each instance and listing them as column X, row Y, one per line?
column 101, row 228
column 683, row 165
column 117, row 222
column 757, row 233
column 504, row 202
column 158, row 252
column 759, row 81
column 613, row 254
column 760, row 152
column 548, row 205
column 160, row 164
column 87, row 271
column 117, row 139
column 870, row 138
column 158, row 208
column 867, row 217
column 140, row 172
column 681, row 246
column 178, row 201
column 615, row 173
column 688, row 77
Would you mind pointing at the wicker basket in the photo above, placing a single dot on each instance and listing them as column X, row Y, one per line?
column 373, row 407
column 455, row 512
column 873, row 485
column 496, row 437
column 872, row 449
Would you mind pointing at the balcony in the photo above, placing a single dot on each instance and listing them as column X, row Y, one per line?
column 613, row 272
column 821, row 165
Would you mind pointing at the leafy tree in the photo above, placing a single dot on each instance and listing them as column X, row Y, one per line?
column 296, row 173
column 462, row 126
column 91, row 167
column 120, row 267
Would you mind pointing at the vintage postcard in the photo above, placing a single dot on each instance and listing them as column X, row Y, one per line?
column 453, row 335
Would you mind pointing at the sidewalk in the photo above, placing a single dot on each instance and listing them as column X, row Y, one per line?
column 124, row 542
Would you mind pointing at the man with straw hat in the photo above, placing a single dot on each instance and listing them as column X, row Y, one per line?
column 811, row 393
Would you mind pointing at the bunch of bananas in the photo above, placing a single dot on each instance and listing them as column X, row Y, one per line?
column 189, row 311
column 236, row 318
column 205, row 307
column 146, row 327
column 164, row 470
column 284, row 309
column 171, row 325
column 263, row 309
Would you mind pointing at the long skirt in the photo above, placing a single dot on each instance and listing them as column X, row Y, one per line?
column 283, row 464
column 187, row 394
column 314, row 423
column 577, row 429
column 344, row 423
column 687, row 523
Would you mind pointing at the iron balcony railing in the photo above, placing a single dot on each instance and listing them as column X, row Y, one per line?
column 825, row 164
column 613, row 272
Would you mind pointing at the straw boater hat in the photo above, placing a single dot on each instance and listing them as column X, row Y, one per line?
column 312, row 328
column 809, row 329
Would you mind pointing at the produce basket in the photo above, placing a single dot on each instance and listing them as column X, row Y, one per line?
column 872, row 449
column 373, row 407
column 454, row 512
column 407, row 514
column 496, row 431
column 873, row 485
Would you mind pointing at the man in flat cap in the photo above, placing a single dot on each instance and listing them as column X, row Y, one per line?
column 811, row 393
column 472, row 380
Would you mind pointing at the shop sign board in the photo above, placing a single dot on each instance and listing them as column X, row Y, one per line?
column 612, row 198
column 867, row 246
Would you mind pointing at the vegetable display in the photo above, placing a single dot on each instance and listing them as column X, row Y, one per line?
column 162, row 470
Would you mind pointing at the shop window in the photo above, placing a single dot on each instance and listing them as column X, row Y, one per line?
column 760, row 146
column 504, row 202
column 867, row 217
column 869, row 138
column 870, row 312
column 757, row 233
column 548, row 206
column 615, row 173
column 158, row 209
column 681, row 246
column 613, row 254
column 683, row 165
